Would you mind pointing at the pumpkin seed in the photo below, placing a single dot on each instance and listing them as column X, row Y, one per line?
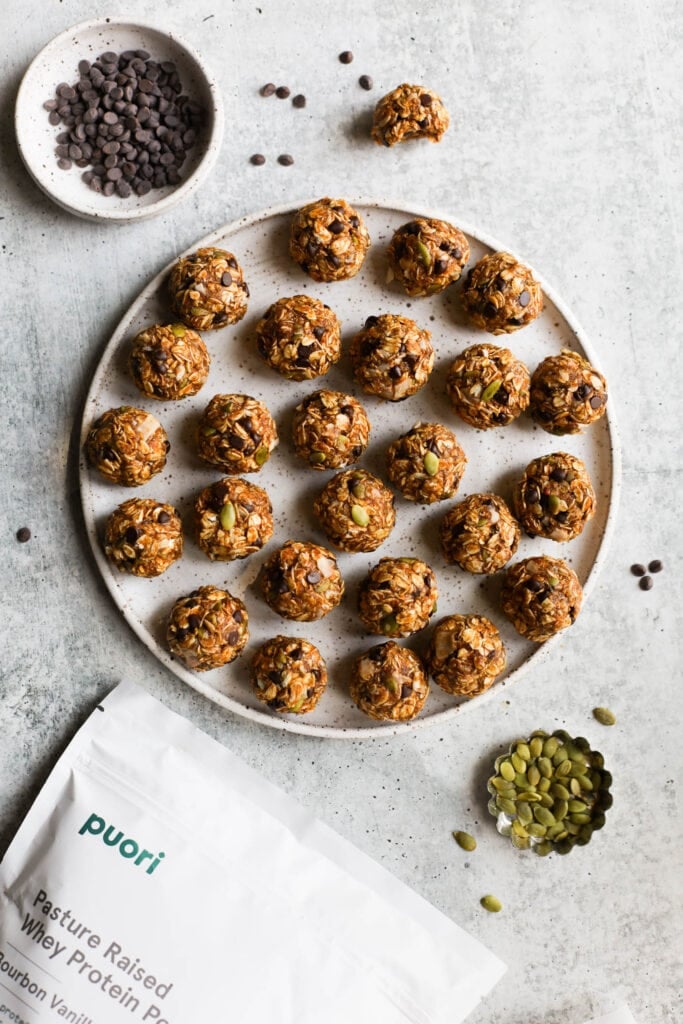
column 543, row 849
column 502, row 785
column 261, row 455
column 545, row 767
column 523, row 751
column 575, row 787
column 543, row 786
column 546, row 800
column 550, row 746
column 465, row 841
column 424, row 255
column 604, row 716
column 519, row 830
column 359, row 515
column 584, row 783
column 524, row 813
column 507, row 771
column 564, row 769
column 506, row 805
column 522, row 783
column 493, row 389
column 533, row 775
column 535, row 829
column 491, row 903
column 580, row 818
column 560, row 756
column 543, row 815
column 431, row 464
column 559, row 791
column 518, row 762
column 178, row 330
column 317, row 458
column 389, row 625
column 577, row 806
column 554, row 504
column 536, row 747
column 560, row 809
column 228, row 516
column 520, row 842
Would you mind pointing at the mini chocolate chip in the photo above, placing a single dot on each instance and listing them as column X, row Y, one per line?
column 336, row 227
column 426, row 99
column 558, row 474
column 237, row 615
column 282, row 92
column 194, row 622
column 394, row 372
column 637, row 569
column 645, row 583
column 562, row 517
column 502, row 395
column 299, row 101
column 524, row 298
column 319, row 332
column 232, row 262
column 220, row 317
column 535, row 586
column 406, row 691
column 226, row 279
column 268, row 89
column 595, row 402
column 23, row 534
column 365, row 82
column 285, row 159
column 346, row 57
column 440, row 266
column 371, row 321
column 313, row 577
column 489, row 309
column 237, row 442
column 411, row 228
column 655, row 566
column 132, row 534
column 257, row 159
column 457, row 253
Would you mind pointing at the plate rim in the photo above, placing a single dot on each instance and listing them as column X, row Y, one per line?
column 227, row 703
column 187, row 187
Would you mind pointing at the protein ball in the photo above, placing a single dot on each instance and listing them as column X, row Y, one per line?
column 567, row 393
column 479, row 534
column 426, row 464
column 302, row 581
column 328, row 240
column 388, row 683
column 236, row 433
column 541, row 596
column 465, row 654
column 488, row 386
column 232, row 519
column 392, row 357
column 409, row 112
column 427, row 255
column 289, row 675
column 555, row 497
column 299, row 337
column 143, row 537
column 208, row 289
column 168, row 362
column 207, row 629
column 501, row 294
column 127, row 445
column 397, row 597
column 355, row 510
column 330, row 430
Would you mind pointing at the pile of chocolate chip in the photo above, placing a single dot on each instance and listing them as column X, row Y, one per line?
column 127, row 121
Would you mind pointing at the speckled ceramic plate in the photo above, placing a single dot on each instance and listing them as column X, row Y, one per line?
column 496, row 459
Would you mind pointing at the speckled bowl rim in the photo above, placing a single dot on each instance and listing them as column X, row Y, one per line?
column 186, row 188
column 382, row 730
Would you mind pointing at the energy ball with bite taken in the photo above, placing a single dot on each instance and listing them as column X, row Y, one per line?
column 355, row 510
column 208, row 289
column 427, row 255
column 488, row 386
column 232, row 519
column 289, row 675
column 426, row 464
column 207, row 629
column 465, row 654
column 567, row 393
column 330, row 430
column 388, row 683
column 143, row 537
column 555, row 497
column 409, row 112
column 236, row 433
column 541, row 596
column 302, row 581
column 479, row 534
column 501, row 294
column 127, row 445
column 299, row 337
column 392, row 357
column 328, row 240
column 168, row 362
column 397, row 597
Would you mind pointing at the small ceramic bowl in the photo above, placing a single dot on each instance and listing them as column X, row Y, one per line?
column 58, row 62
column 549, row 792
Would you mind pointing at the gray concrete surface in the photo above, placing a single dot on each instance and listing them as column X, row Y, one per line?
column 566, row 143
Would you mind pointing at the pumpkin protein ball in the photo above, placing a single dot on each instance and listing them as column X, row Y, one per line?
column 301, row 581
column 299, row 337
column 555, row 497
column 465, row 654
column 501, row 294
column 330, row 430
column 540, row 597
column 426, row 255
column 426, row 464
column 127, row 445
column 388, row 683
column 391, row 357
column 236, row 433
column 328, row 240
column 488, row 386
column 168, row 362
column 232, row 519
column 479, row 534
column 208, row 289
column 288, row 674
column 355, row 510
column 207, row 629
column 567, row 393
column 397, row 597
column 143, row 537
column 409, row 112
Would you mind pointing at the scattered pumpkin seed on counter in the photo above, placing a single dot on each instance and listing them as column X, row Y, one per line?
column 465, row 841
column 491, row 903
column 604, row 716
column 549, row 792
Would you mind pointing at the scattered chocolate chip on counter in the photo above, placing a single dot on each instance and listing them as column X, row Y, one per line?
column 282, row 92
column 257, row 159
column 638, row 569
column 646, row 583
column 346, row 57
column 299, row 101
column 365, row 82
column 268, row 89
column 655, row 565
column 285, row 159
column 23, row 534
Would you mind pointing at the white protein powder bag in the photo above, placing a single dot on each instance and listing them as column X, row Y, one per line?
column 157, row 878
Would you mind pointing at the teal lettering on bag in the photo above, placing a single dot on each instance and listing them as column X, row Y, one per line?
column 114, row 837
